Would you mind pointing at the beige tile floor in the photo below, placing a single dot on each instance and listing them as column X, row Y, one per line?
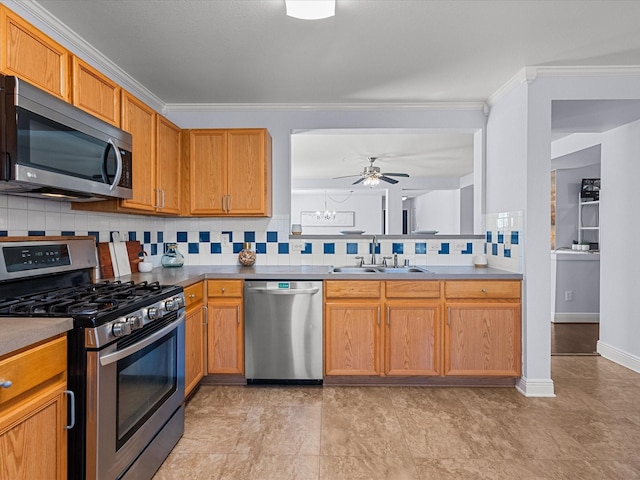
column 590, row 430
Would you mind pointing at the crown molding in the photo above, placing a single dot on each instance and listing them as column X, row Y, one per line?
column 529, row 74
column 77, row 45
column 221, row 107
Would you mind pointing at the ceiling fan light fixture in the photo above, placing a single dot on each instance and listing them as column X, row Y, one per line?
column 371, row 181
column 310, row 9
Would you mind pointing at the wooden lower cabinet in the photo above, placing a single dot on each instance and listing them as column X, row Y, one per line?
column 225, row 335
column 195, row 334
column 352, row 339
column 382, row 328
column 482, row 332
column 412, row 339
column 33, row 413
column 424, row 328
column 483, row 339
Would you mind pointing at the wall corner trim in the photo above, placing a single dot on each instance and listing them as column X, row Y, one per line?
column 535, row 387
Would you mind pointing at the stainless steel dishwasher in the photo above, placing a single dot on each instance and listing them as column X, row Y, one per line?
column 283, row 331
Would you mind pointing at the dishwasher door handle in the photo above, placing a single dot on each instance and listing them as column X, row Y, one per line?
column 284, row 291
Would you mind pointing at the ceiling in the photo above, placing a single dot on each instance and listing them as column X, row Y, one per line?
column 380, row 52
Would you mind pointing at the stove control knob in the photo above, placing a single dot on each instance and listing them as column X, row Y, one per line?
column 170, row 305
column 135, row 322
column 153, row 313
column 179, row 301
column 121, row 329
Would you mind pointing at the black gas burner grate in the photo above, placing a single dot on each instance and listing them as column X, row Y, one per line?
column 82, row 301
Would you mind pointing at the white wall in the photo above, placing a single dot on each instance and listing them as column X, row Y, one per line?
column 367, row 211
column 439, row 210
column 543, row 89
column 620, row 229
column 568, row 182
column 513, row 185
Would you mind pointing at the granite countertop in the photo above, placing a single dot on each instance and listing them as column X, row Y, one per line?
column 16, row 333
column 191, row 274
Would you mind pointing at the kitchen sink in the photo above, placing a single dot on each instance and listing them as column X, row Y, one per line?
column 354, row 270
column 402, row 270
column 378, row 269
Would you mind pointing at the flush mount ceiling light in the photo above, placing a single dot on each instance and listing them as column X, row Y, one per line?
column 311, row 9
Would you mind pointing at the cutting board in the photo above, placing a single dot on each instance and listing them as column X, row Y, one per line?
column 104, row 258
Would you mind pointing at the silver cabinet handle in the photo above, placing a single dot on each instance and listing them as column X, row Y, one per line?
column 192, row 295
column 484, row 290
column 5, row 383
column 72, row 410
column 238, row 314
column 378, row 315
column 157, row 205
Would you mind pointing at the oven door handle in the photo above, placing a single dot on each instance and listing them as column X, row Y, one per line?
column 125, row 352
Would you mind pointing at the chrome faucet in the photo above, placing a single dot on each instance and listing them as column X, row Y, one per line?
column 374, row 243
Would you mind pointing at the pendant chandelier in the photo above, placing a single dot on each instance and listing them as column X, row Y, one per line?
column 326, row 214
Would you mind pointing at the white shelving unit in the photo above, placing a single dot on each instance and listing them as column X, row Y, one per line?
column 582, row 229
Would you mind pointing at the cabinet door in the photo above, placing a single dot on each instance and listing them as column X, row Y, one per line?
column 194, row 362
column 207, row 172
column 225, row 352
column 168, row 167
column 95, row 93
column 412, row 339
column 31, row 55
column 33, row 439
column 483, row 339
column 249, row 172
column 139, row 120
column 352, row 339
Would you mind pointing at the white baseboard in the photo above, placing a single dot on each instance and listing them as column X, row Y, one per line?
column 618, row 356
column 535, row 387
column 576, row 318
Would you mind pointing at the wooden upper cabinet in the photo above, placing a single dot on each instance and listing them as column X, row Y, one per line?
column 31, row 55
column 229, row 172
column 207, row 173
column 168, row 167
column 139, row 120
column 95, row 93
column 249, row 172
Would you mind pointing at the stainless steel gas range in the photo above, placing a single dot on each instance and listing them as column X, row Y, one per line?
column 125, row 357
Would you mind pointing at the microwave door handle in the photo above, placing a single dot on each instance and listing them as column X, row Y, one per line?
column 116, row 150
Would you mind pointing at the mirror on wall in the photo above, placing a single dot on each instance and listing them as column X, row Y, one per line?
column 383, row 181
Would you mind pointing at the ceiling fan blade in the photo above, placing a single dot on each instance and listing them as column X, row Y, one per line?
column 387, row 179
column 358, row 181
column 345, row 176
column 396, row 174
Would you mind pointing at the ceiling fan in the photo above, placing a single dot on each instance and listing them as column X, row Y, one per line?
column 371, row 175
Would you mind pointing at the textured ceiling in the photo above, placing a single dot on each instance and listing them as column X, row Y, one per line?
column 249, row 51
column 371, row 52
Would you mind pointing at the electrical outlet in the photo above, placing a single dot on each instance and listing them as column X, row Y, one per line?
column 297, row 246
column 433, row 246
column 458, row 246
column 225, row 239
column 568, row 296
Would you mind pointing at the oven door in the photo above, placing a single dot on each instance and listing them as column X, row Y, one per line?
column 138, row 386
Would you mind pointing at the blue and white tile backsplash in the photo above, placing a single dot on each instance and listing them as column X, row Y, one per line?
column 215, row 241
column 504, row 240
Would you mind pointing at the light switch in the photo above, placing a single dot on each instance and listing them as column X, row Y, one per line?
column 433, row 246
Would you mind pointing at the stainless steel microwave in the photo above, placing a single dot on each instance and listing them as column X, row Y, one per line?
column 52, row 149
